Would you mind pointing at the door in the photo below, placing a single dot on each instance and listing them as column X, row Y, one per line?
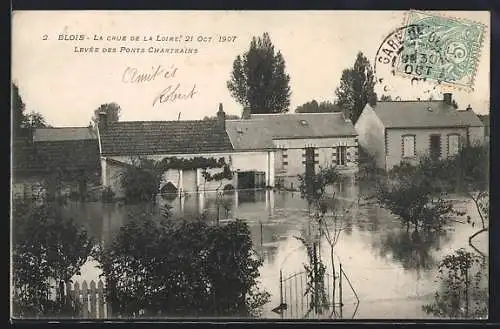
column 435, row 147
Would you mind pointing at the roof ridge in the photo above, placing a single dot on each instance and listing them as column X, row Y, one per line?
column 72, row 127
column 305, row 113
column 411, row 100
column 161, row 121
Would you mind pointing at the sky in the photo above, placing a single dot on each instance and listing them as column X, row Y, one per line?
column 66, row 84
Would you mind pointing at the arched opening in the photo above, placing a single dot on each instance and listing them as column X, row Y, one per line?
column 169, row 191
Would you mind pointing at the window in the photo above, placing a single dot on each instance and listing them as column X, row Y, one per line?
column 408, row 146
column 453, row 144
column 284, row 158
column 341, row 155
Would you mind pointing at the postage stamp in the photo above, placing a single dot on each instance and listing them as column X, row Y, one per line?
column 442, row 49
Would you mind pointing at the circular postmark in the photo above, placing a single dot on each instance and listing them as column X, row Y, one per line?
column 432, row 48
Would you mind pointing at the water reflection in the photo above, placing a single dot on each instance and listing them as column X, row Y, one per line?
column 383, row 261
column 414, row 250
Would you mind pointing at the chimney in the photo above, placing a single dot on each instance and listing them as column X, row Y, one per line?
column 221, row 117
column 103, row 121
column 447, row 99
column 247, row 113
column 345, row 114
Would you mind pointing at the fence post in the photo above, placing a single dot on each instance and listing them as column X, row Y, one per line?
column 100, row 291
column 340, row 290
column 85, row 300
column 93, row 300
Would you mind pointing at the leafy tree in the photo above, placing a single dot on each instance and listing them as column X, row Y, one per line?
column 356, row 88
column 35, row 120
column 18, row 108
column 48, row 250
column 112, row 111
column 464, row 292
column 157, row 266
column 411, row 194
column 315, row 107
column 328, row 217
column 259, row 80
column 19, row 118
column 141, row 180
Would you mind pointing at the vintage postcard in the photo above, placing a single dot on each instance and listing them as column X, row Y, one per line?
column 250, row 164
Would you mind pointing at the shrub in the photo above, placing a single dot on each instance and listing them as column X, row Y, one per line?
column 48, row 249
column 463, row 293
column 158, row 266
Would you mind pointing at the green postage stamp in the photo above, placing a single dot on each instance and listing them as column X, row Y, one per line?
column 442, row 49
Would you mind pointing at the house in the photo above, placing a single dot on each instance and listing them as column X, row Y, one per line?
column 397, row 131
column 57, row 161
column 485, row 118
column 291, row 139
column 258, row 149
column 121, row 142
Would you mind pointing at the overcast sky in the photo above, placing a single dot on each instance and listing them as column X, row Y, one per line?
column 66, row 86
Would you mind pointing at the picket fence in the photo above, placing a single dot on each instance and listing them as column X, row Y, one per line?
column 91, row 298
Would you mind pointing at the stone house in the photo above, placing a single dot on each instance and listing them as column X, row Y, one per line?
column 290, row 139
column 397, row 131
column 55, row 162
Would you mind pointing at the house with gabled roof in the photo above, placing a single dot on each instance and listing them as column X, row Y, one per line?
column 326, row 138
column 120, row 142
column 58, row 161
column 397, row 131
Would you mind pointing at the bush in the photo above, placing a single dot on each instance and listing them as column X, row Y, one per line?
column 159, row 266
column 141, row 180
column 107, row 195
column 463, row 292
column 48, row 249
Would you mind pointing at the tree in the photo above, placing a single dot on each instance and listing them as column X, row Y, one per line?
column 356, row 88
column 464, row 292
column 385, row 98
column 328, row 218
column 411, row 193
column 35, row 120
column 158, row 266
column 48, row 250
column 315, row 107
column 112, row 111
column 258, row 79
column 18, row 108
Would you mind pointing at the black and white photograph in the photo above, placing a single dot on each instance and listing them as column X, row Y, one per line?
column 276, row 165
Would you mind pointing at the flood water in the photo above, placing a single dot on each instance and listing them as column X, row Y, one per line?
column 391, row 273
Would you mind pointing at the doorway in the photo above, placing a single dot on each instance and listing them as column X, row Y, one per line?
column 435, row 147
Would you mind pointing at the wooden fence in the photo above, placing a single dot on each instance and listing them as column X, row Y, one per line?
column 90, row 298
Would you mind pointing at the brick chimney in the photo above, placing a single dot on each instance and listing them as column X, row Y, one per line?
column 103, row 121
column 447, row 99
column 221, row 117
column 247, row 113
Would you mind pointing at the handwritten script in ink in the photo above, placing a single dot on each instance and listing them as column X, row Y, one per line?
column 171, row 93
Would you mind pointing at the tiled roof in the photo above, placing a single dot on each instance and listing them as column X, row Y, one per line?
column 47, row 156
column 164, row 137
column 415, row 114
column 24, row 157
column 64, row 134
column 260, row 130
column 69, row 155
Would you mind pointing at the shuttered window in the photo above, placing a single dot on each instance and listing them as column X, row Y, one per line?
column 408, row 146
column 453, row 144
